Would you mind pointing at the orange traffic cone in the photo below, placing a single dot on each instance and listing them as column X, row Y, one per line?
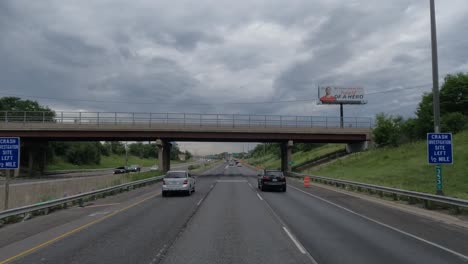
column 306, row 182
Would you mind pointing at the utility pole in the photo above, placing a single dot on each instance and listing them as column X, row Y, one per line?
column 435, row 70
column 435, row 91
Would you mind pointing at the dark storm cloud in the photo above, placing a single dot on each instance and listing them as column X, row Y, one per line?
column 195, row 56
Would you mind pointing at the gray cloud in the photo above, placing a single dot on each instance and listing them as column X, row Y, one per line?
column 195, row 56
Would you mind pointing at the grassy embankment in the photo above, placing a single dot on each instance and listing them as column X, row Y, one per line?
column 404, row 167
column 273, row 162
column 111, row 161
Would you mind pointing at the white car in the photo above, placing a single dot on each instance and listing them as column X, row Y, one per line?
column 154, row 168
column 178, row 181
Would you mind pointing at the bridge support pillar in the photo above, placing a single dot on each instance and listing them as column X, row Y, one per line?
column 164, row 155
column 33, row 158
column 357, row 147
column 286, row 156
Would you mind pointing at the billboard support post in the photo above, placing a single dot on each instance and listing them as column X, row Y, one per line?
column 341, row 116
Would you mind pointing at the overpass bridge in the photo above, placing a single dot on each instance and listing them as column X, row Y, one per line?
column 36, row 129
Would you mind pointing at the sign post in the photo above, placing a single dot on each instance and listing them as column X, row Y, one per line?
column 439, row 151
column 9, row 160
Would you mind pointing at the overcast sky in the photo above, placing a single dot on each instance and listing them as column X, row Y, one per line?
column 203, row 56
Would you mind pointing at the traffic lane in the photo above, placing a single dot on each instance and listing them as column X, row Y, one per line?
column 135, row 235
column 450, row 236
column 234, row 226
column 447, row 235
column 333, row 235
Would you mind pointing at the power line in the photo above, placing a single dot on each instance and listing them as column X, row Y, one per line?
column 206, row 104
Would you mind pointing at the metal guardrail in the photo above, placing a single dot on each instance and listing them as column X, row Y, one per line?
column 182, row 119
column 426, row 198
column 46, row 206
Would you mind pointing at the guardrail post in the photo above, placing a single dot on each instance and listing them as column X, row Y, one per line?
column 61, row 117
column 115, row 118
column 6, row 116
column 150, row 119
column 233, row 121
column 24, row 118
column 217, row 120
column 281, row 121
column 200, row 120
column 265, row 122
column 356, row 123
column 98, row 118
column 326, row 121
column 249, row 121
column 184, row 119
column 80, row 118
column 296, row 121
column 43, row 117
column 133, row 118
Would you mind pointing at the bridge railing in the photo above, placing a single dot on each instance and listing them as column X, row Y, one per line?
column 183, row 119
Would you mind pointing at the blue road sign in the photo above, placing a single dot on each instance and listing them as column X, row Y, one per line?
column 9, row 153
column 439, row 148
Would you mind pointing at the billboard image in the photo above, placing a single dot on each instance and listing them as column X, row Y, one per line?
column 340, row 95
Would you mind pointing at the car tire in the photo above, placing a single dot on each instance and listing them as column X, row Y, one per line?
column 164, row 194
column 262, row 188
column 283, row 189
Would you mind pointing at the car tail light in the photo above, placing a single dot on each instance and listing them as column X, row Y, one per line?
column 164, row 182
column 265, row 178
column 185, row 181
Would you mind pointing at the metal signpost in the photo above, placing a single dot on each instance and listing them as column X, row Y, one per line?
column 9, row 160
column 439, row 151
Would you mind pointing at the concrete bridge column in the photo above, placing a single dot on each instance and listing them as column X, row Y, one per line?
column 357, row 147
column 33, row 158
column 286, row 156
column 164, row 154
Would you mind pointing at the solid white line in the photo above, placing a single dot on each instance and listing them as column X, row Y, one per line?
column 385, row 225
column 211, row 187
column 199, row 202
column 294, row 240
column 259, row 197
column 250, row 185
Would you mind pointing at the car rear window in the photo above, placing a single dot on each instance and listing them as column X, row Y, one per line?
column 274, row 173
column 176, row 174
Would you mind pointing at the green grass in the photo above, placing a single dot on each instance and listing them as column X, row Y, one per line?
column 272, row 162
column 111, row 161
column 404, row 167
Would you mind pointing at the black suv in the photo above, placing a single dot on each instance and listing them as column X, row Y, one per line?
column 271, row 179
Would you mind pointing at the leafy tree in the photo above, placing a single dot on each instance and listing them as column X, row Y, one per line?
column 188, row 155
column 12, row 104
column 453, row 122
column 175, row 151
column 388, row 130
column 454, row 94
column 80, row 153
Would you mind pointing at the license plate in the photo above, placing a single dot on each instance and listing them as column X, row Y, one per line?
column 274, row 180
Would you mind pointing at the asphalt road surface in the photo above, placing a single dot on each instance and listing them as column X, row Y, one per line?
column 228, row 220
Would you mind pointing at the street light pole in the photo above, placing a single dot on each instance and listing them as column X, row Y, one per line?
column 435, row 91
column 435, row 70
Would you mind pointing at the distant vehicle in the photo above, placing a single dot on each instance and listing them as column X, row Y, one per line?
column 135, row 168
column 271, row 179
column 178, row 181
column 239, row 164
column 120, row 170
column 154, row 168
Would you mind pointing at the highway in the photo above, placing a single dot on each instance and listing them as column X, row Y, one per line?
column 228, row 220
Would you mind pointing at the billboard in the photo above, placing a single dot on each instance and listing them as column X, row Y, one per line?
column 340, row 95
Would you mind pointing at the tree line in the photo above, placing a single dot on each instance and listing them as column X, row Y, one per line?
column 395, row 130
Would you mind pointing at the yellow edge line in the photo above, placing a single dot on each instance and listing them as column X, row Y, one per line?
column 26, row 252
